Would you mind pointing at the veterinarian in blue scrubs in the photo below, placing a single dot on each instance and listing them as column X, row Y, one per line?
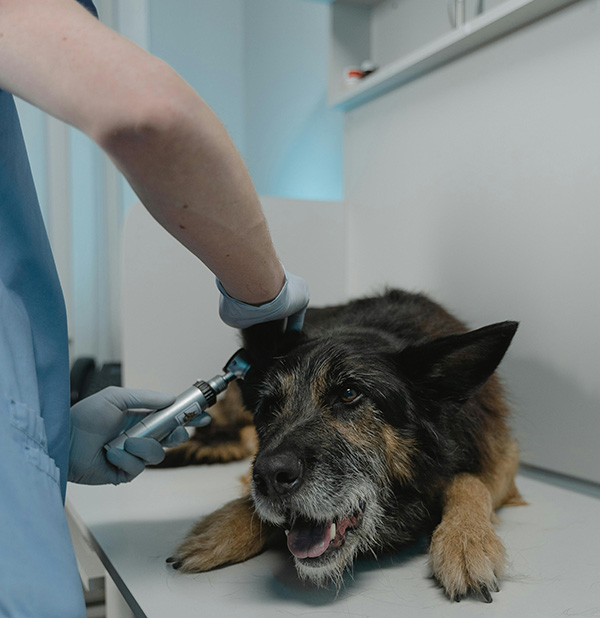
column 180, row 161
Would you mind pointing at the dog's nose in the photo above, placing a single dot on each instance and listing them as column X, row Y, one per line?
column 278, row 473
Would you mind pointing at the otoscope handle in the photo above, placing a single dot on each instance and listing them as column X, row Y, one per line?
column 188, row 406
column 158, row 425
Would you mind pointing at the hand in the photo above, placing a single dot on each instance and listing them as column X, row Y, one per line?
column 290, row 303
column 103, row 416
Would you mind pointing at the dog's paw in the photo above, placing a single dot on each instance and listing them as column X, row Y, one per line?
column 232, row 534
column 201, row 550
column 467, row 556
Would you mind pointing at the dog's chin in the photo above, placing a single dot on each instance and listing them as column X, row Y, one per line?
column 324, row 548
column 329, row 567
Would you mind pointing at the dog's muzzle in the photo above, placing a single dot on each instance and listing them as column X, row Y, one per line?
column 277, row 474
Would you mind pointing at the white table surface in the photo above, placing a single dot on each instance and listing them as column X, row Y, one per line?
column 553, row 546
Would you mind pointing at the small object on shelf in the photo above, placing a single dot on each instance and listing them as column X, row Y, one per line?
column 352, row 75
column 367, row 67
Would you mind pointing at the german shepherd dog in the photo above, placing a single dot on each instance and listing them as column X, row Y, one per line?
column 381, row 422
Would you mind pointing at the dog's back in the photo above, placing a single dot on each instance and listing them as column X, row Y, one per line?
column 408, row 316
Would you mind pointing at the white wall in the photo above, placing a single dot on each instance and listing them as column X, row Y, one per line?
column 479, row 184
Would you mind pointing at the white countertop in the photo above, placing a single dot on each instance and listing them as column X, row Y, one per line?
column 553, row 547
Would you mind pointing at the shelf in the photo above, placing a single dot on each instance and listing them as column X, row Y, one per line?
column 355, row 2
column 485, row 28
column 358, row 2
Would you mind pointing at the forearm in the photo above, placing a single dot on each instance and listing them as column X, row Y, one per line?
column 189, row 175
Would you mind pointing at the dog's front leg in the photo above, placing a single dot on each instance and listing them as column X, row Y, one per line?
column 232, row 534
column 466, row 554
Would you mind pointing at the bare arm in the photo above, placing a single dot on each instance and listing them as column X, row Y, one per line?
column 162, row 136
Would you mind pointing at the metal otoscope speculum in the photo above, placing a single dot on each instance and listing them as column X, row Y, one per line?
column 188, row 406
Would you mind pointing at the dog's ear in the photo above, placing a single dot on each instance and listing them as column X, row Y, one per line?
column 263, row 343
column 269, row 339
column 262, row 340
column 451, row 368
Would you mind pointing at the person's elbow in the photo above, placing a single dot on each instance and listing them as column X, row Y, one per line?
column 148, row 121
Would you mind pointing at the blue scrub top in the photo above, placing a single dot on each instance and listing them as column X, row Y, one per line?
column 89, row 5
column 33, row 326
column 34, row 355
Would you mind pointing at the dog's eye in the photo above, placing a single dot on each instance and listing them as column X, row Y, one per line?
column 348, row 395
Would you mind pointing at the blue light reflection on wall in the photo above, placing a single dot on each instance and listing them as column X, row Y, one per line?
column 293, row 139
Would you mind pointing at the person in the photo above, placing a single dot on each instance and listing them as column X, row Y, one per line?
column 178, row 158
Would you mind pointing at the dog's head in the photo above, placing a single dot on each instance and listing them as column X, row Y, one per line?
column 353, row 436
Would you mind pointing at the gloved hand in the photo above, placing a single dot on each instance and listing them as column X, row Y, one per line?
column 101, row 417
column 290, row 303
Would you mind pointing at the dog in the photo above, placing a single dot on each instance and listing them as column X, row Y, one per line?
column 381, row 422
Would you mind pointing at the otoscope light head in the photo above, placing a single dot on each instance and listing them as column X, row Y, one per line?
column 238, row 364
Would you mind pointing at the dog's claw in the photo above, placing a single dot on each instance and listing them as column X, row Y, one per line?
column 485, row 593
column 174, row 562
column 457, row 598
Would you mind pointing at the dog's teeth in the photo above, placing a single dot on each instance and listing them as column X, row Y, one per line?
column 287, row 532
column 332, row 530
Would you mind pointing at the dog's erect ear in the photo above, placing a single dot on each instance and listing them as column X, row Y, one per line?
column 451, row 368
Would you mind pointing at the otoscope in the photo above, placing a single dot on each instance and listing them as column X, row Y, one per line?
column 189, row 405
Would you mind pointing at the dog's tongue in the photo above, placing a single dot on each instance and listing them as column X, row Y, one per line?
column 308, row 541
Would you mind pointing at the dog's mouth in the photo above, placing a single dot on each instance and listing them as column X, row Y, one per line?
column 312, row 542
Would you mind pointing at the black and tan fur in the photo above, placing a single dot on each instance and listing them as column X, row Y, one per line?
column 385, row 418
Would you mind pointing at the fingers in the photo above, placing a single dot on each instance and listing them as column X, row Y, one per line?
column 141, row 452
column 131, row 466
column 147, row 449
column 175, row 438
column 138, row 453
column 180, row 435
column 201, row 421
column 296, row 321
column 298, row 302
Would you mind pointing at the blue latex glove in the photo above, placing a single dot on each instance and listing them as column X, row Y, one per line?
column 290, row 303
column 101, row 417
